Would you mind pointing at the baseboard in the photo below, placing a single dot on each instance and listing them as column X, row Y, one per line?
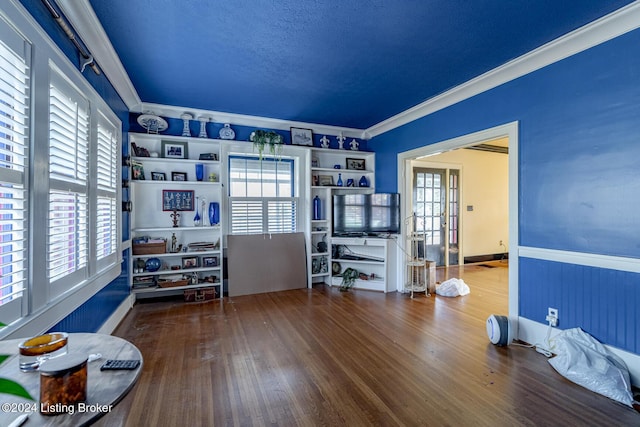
column 114, row 320
column 484, row 258
column 534, row 332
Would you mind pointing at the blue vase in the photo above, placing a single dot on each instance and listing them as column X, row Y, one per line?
column 214, row 213
column 339, row 180
column 199, row 171
column 363, row 182
column 317, row 208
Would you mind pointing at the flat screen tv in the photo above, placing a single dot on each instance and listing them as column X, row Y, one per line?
column 366, row 214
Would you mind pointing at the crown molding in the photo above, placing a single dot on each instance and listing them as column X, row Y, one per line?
column 245, row 120
column 599, row 31
column 85, row 22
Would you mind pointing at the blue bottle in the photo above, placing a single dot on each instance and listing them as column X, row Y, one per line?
column 339, row 180
column 363, row 182
column 317, row 208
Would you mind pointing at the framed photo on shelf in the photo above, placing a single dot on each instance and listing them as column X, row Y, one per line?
column 178, row 176
column 178, row 200
column 315, row 180
column 175, row 150
column 209, row 261
column 137, row 171
column 158, row 176
column 301, row 136
column 189, row 262
column 325, row 180
column 357, row 164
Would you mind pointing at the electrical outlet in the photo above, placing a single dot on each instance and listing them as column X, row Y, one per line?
column 500, row 243
column 552, row 316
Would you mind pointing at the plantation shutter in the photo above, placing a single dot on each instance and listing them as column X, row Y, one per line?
column 67, row 235
column 14, row 130
column 106, row 180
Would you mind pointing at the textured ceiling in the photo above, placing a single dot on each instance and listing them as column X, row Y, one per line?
column 350, row 63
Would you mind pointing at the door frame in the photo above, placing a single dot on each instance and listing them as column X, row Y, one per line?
column 508, row 130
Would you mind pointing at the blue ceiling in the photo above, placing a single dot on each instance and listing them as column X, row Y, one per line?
column 349, row 63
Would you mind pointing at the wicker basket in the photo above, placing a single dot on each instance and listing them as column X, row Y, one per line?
column 149, row 248
column 172, row 283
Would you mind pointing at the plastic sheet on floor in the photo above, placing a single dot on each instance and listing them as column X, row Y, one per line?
column 583, row 360
column 452, row 288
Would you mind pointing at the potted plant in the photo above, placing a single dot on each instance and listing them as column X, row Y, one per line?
column 267, row 140
column 349, row 277
column 8, row 386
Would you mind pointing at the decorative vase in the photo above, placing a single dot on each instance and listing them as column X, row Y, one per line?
column 214, row 213
column 196, row 219
column 363, row 182
column 203, row 127
column 199, row 171
column 340, row 180
column 185, row 124
column 226, row 132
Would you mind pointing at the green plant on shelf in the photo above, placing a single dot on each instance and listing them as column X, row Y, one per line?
column 267, row 140
column 8, row 386
column 349, row 277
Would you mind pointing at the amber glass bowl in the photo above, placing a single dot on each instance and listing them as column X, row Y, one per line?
column 34, row 350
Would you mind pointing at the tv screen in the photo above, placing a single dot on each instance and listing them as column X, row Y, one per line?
column 362, row 214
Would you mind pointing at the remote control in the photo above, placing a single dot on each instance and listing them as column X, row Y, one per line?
column 111, row 364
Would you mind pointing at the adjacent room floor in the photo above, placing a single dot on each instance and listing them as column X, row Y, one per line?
column 323, row 357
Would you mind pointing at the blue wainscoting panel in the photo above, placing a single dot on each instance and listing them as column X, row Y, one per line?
column 603, row 302
column 91, row 315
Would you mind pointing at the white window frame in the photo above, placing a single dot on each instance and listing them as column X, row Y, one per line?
column 256, row 213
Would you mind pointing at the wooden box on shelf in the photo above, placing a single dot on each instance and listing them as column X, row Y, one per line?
column 196, row 295
column 149, row 248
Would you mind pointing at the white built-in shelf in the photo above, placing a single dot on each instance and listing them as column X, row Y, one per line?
column 180, row 271
column 165, row 160
column 145, row 290
column 320, row 254
column 175, row 254
column 171, row 183
column 188, row 228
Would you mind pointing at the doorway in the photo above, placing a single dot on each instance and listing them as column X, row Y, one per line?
column 405, row 186
column 435, row 207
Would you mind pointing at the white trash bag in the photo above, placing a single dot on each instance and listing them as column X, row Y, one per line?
column 583, row 360
column 452, row 288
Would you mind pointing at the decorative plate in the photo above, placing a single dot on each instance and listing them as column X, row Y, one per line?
column 227, row 133
column 336, row 268
column 153, row 264
column 152, row 123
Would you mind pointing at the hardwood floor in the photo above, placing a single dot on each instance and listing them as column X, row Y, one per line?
column 322, row 357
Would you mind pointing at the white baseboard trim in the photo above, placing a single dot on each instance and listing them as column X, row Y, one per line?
column 114, row 320
column 534, row 332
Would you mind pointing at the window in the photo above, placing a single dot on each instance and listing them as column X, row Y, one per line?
column 14, row 113
column 261, row 195
column 60, row 150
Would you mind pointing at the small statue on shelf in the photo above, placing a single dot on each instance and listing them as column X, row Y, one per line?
column 175, row 217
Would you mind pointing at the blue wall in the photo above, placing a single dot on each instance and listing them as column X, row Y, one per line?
column 91, row 315
column 579, row 151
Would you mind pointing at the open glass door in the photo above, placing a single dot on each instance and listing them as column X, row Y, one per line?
column 436, row 214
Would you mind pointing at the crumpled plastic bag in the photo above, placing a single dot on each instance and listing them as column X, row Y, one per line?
column 583, row 360
column 452, row 288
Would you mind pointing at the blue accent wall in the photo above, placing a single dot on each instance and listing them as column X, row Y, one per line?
column 579, row 163
column 92, row 314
